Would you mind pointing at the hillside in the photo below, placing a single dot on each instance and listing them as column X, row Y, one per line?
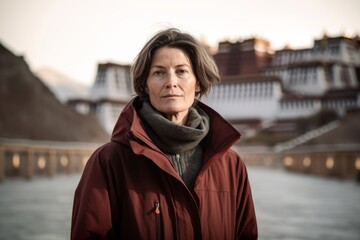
column 29, row 110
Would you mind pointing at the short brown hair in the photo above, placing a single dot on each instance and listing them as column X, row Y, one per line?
column 204, row 67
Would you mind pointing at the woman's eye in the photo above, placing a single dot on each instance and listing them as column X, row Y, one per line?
column 181, row 71
column 158, row 73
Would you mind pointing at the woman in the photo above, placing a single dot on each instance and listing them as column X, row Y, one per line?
column 168, row 171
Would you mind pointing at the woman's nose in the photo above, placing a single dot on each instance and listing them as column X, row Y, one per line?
column 171, row 80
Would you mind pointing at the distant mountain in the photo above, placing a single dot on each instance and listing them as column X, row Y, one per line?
column 61, row 85
column 29, row 110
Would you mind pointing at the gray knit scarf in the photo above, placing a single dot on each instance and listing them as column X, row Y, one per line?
column 180, row 142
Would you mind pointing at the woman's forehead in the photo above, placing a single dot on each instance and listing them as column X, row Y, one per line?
column 170, row 56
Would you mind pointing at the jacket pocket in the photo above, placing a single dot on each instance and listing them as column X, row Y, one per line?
column 157, row 221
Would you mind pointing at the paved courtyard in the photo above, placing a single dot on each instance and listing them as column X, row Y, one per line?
column 289, row 207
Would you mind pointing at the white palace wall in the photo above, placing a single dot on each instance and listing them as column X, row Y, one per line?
column 113, row 83
column 298, row 84
column 256, row 99
column 259, row 100
column 108, row 113
column 298, row 108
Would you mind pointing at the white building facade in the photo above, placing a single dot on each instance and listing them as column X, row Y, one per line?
column 298, row 83
column 111, row 91
column 239, row 98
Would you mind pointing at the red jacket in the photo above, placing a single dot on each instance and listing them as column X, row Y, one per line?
column 130, row 190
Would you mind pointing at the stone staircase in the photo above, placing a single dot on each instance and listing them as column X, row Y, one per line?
column 306, row 136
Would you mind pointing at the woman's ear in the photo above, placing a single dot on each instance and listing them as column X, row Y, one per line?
column 197, row 87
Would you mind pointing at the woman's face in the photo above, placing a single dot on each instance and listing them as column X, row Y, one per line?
column 171, row 83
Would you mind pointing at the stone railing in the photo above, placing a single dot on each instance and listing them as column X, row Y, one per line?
column 340, row 161
column 26, row 158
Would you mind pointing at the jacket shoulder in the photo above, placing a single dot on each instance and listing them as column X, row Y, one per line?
column 107, row 153
column 111, row 148
column 233, row 155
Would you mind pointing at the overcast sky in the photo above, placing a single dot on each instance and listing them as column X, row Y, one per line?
column 73, row 36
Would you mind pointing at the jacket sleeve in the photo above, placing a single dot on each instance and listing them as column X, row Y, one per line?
column 246, row 218
column 91, row 217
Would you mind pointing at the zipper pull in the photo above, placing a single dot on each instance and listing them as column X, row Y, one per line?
column 178, row 167
column 157, row 208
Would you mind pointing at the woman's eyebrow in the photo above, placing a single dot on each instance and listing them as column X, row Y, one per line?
column 179, row 65
column 183, row 65
column 157, row 66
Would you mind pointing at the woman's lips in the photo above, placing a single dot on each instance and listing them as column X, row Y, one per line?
column 170, row 96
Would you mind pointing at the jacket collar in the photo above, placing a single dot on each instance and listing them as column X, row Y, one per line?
column 221, row 135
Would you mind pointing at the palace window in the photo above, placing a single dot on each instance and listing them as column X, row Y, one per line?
column 100, row 80
column 117, row 79
column 345, row 76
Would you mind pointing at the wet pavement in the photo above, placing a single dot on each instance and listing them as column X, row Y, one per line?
column 289, row 206
column 293, row 206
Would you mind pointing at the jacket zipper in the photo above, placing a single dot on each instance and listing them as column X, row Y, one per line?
column 178, row 164
column 157, row 221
